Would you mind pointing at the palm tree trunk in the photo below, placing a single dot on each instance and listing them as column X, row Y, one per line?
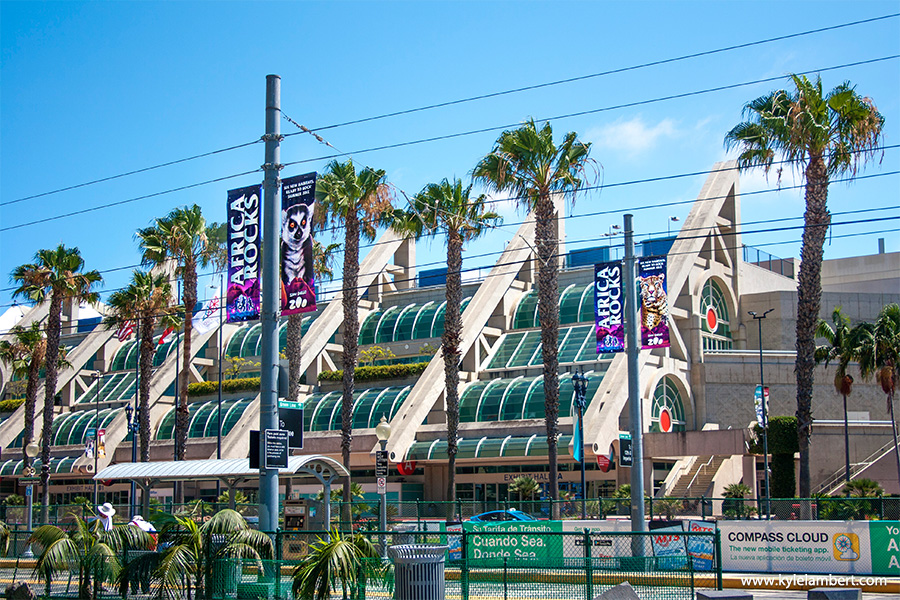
column 54, row 322
column 182, row 415
column 548, row 311
column 351, row 343
column 293, row 350
column 846, row 441
column 31, row 392
column 809, row 295
column 450, row 347
column 147, row 351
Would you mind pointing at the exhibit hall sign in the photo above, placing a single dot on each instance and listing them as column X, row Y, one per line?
column 836, row 547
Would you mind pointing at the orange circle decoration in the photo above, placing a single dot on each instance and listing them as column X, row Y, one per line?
column 665, row 421
column 712, row 320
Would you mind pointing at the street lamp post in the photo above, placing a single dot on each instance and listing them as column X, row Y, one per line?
column 383, row 433
column 31, row 451
column 765, row 416
column 579, row 382
column 134, row 416
column 98, row 379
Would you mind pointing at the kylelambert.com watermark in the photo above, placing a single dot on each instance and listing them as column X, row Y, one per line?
column 800, row 580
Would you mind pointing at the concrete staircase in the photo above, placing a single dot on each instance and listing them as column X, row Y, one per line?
column 697, row 478
column 833, row 484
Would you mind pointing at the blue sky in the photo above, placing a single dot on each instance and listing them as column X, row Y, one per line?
column 91, row 90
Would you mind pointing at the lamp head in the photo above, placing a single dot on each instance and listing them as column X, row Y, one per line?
column 383, row 430
column 32, row 449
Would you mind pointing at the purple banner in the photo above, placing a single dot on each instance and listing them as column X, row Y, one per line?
column 298, row 285
column 654, row 303
column 243, row 254
column 609, row 303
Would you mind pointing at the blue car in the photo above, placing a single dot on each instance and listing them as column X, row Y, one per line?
column 499, row 516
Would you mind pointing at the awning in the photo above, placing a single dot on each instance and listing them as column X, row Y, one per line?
column 313, row 465
column 485, row 447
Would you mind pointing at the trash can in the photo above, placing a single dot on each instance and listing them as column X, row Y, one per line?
column 403, row 534
column 418, row 571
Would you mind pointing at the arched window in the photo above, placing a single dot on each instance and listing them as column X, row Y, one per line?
column 667, row 413
column 715, row 322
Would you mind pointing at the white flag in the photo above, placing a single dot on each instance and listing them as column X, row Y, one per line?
column 208, row 318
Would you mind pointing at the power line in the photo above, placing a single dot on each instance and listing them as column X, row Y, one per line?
column 135, row 172
column 450, row 136
column 600, row 74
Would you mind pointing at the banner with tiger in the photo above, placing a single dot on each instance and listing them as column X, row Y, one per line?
column 654, row 302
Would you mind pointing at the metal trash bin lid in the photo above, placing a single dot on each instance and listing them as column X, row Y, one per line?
column 417, row 553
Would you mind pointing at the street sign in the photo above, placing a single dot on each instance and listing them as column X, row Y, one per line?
column 290, row 419
column 275, row 449
column 382, row 485
column 28, row 490
column 603, row 463
column 255, row 443
column 626, row 459
column 381, row 463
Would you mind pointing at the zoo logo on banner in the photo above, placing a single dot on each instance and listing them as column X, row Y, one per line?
column 243, row 254
column 298, row 286
column 654, row 303
column 608, row 307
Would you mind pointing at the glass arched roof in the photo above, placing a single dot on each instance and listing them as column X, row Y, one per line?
column 322, row 411
column 126, row 356
column 70, row 428
column 410, row 322
column 666, row 396
column 113, row 387
column 519, row 398
column 576, row 305
column 58, row 464
column 485, row 447
column 714, row 310
column 204, row 418
column 521, row 349
column 245, row 342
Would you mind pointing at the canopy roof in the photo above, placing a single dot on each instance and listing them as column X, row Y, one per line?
column 313, row 465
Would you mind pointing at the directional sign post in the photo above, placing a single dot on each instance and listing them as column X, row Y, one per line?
column 626, row 457
column 275, row 449
column 290, row 417
column 381, row 470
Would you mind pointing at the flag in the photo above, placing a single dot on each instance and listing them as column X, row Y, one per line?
column 164, row 335
column 608, row 307
column 125, row 331
column 207, row 318
column 578, row 451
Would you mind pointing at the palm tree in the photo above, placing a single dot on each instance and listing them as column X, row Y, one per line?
column 25, row 355
column 88, row 549
column 822, row 136
column 527, row 163
column 55, row 274
column 323, row 267
column 346, row 559
column 360, row 201
column 839, row 348
column 449, row 207
column 186, row 565
column 879, row 356
column 147, row 301
column 180, row 237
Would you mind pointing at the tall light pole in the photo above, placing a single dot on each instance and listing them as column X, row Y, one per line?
column 765, row 415
column 31, row 450
column 98, row 379
column 383, row 433
column 133, row 417
column 579, row 382
column 669, row 225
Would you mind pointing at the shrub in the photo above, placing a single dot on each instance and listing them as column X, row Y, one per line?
column 206, row 388
column 377, row 372
column 11, row 404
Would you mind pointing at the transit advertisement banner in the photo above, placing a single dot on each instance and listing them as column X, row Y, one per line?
column 298, row 286
column 243, row 254
column 838, row 547
column 654, row 303
column 609, row 303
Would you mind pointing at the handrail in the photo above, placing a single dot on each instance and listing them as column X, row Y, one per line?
column 697, row 474
column 855, row 468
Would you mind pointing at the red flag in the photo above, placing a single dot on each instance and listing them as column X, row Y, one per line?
column 165, row 334
column 125, row 331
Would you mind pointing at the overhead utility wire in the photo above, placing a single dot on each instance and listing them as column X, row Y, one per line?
column 464, row 100
column 135, row 172
column 425, row 140
column 600, row 74
column 559, row 255
column 450, row 136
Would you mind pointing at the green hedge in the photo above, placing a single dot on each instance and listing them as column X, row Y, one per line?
column 206, row 388
column 783, row 481
column 11, row 404
column 782, row 446
column 377, row 372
